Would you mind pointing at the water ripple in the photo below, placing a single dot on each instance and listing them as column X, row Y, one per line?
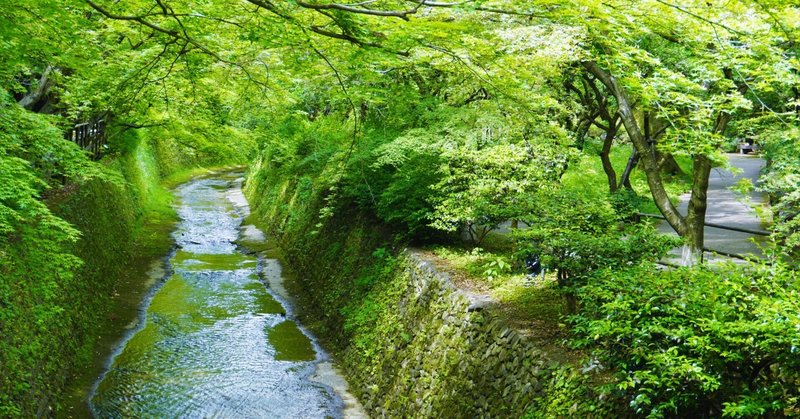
column 208, row 344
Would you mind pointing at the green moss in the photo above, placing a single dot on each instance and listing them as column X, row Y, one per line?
column 266, row 303
column 222, row 262
column 172, row 302
column 290, row 343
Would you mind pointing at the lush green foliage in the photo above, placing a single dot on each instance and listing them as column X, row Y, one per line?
column 697, row 342
column 576, row 237
column 782, row 150
column 429, row 119
column 446, row 155
column 36, row 264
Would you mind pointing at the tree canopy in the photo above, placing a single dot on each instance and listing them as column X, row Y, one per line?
column 438, row 118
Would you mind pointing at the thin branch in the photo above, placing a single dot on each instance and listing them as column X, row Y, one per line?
column 163, row 7
column 744, row 87
column 479, row 8
column 140, row 42
column 777, row 21
column 402, row 14
column 600, row 125
column 138, row 126
column 343, row 37
column 180, row 53
column 214, row 18
column 320, row 30
column 349, row 100
column 183, row 34
column 698, row 17
column 137, row 19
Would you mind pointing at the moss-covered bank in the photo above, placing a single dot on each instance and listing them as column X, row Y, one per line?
column 433, row 353
column 56, row 333
column 411, row 344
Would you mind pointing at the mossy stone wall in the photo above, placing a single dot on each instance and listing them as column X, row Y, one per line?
column 451, row 359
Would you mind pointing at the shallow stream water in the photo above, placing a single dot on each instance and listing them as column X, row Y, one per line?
column 213, row 340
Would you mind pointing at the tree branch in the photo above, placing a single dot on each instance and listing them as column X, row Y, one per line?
column 176, row 35
column 479, row 8
column 651, row 169
column 402, row 14
column 137, row 19
column 42, row 88
column 701, row 18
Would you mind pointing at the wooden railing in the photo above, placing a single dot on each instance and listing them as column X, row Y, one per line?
column 90, row 136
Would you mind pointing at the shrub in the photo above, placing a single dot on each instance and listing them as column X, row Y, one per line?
column 575, row 237
column 780, row 180
column 697, row 342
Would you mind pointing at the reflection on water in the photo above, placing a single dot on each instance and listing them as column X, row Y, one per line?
column 215, row 342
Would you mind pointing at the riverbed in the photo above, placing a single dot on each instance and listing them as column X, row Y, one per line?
column 217, row 336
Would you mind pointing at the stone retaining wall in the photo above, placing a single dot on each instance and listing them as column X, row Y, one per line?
column 455, row 359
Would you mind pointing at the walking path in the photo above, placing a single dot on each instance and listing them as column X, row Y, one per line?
column 729, row 208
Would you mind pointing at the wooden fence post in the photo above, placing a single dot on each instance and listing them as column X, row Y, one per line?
column 90, row 136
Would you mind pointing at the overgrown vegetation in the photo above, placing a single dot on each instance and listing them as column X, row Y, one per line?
column 782, row 151
column 696, row 342
column 63, row 258
column 35, row 258
column 381, row 124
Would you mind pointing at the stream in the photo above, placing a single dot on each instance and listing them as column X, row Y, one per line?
column 217, row 337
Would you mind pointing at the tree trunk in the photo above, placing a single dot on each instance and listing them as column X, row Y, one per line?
column 34, row 97
column 692, row 253
column 691, row 227
column 562, row 277
column 605, row 157
column 625, row 179
column 582, row 131
column 650, row 165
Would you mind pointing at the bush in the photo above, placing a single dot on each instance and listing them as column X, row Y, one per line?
column 697, row 342
column 575, row 237
column 780, row 180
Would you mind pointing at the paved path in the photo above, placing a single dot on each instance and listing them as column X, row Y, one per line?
column 728, row 208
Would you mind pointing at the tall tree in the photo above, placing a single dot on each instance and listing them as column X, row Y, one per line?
column 684, row 67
